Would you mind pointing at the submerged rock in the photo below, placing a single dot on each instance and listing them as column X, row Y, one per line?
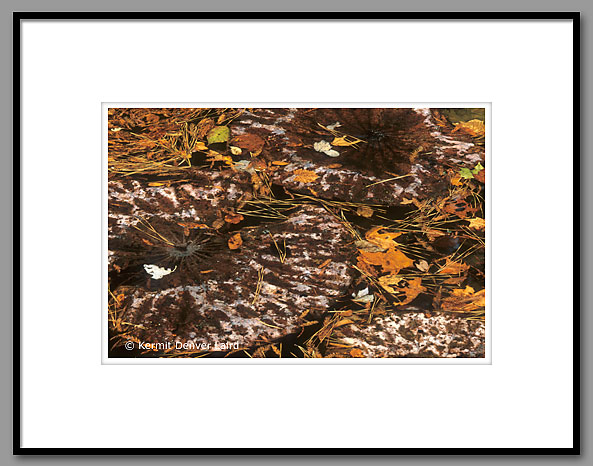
column 413, row 335
column 244, row 297
column 379, row 155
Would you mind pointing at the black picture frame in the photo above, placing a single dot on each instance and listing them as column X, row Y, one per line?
column 18, row 17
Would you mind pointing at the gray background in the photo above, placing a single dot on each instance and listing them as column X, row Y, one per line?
column 8, row 6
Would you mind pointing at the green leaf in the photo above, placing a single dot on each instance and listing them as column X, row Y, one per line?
column 477, row 168
column 466, row 173
column 218, row 134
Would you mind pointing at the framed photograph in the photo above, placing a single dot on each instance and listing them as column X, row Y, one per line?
column 217, row 212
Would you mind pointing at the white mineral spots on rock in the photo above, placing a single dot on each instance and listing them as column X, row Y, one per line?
column 416, row 334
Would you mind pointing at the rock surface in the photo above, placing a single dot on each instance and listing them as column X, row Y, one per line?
column 414, row 335
column 247, row 296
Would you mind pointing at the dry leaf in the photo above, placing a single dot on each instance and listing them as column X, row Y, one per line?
column 251, row 142
column 365, row 211
column 235, row 241
column 356, row 353
column 305, row 176
column 475, row 128
column 481, row 176
column 386, row 281
column 454, row 268
column 279, row 163
column 235, row 150
column 199, row 145
column 345, row 141
column 383, row 240
column 464, row 300
column 232, row 217
column 422, row 265
column 477, row 223
column 391, row 261
column 413, row 289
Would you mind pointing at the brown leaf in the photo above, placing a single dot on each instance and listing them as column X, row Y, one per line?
column 365, row 211
column 235, row 241
column 464, row 300
column 305, row 176
column 250, row 142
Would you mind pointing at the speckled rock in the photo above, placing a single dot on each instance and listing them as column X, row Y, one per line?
column 404, row 156
column 241, row 297
column 414, row 335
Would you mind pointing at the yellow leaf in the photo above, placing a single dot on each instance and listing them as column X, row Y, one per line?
column 345, row 141
column 475, row 128
column 305, row 176
column 464, row 300
column 279, row 163
column 235, row 241
column 199, row 145
column 235, row 150
column 477, row 223
column 387, row 280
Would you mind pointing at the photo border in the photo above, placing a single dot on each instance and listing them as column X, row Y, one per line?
column 18, row 17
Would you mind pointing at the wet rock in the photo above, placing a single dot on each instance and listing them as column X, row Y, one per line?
column 414, row 335
column 199, row 198
column 400, row 153
column 244, row 297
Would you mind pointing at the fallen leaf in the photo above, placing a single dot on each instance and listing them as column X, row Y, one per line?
column 199, row 145
column 412, row 290
column 477, row 223
column 218, row 134
column 235, row 241
column 481, row 176
column 422, row 265
column 475, row 128
column 391, row 261
column 279, row 163
column 365, row 211
column 464, row 300
column 250, row 142
column 192, row 225
column 305, row 176
column 235, row 150
column 345, row 141
column 232, row 217
column 218, row 223
column 356, row 353
column 386, row 281
column 454, row 268
column 383, row 240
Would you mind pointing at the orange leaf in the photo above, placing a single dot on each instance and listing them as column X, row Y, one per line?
column 235, row 241
column 305, row 176
column 413, row 289
column 464, row 300
column 391, row 261
column 383, row 240
column 233, row 218
column 454, row 268
column 356, row 353
column 279, row 163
